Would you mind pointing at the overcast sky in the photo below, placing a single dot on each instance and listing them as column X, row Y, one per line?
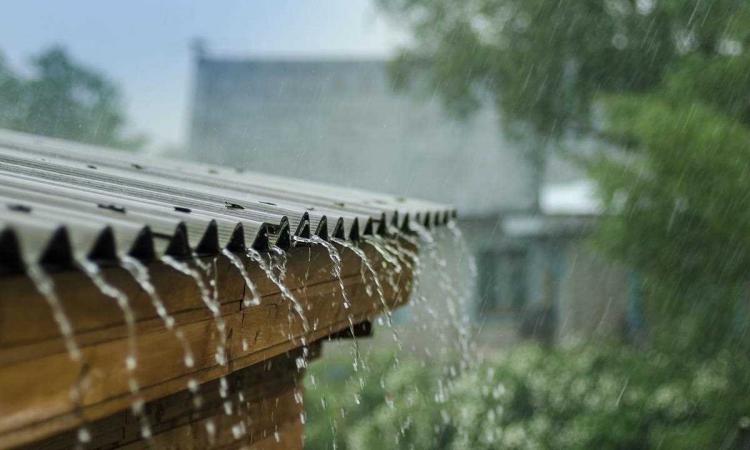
column 144, row 45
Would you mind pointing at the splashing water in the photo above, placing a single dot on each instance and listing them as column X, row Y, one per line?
column 406, row 256
column 237, row 262
column 423, row 233
column 279, row 262
column 396, row 247
column 379, row 245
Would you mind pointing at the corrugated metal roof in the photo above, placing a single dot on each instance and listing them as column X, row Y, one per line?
column 60, row 200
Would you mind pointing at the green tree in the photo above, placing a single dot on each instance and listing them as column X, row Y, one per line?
column 667, row 81
column 591, row 397
column 61, row 98
column 543, row 63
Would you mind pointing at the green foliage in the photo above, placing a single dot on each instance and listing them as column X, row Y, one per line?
column 533, row 398
column 544, row 62
column 685, row 196
column 668, row 82
column 677, row 209
column 337, row 396
column 63, row 99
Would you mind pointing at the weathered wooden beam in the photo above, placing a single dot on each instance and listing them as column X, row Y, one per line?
column 361, row 329
column 264, row 411
column 37, row 374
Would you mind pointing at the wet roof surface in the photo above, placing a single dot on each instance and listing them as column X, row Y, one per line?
column 60, row 200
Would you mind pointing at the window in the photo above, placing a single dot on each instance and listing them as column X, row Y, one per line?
column 502, row 281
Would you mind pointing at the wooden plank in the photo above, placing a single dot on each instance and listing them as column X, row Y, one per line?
column 265, row 413
column 37, row 374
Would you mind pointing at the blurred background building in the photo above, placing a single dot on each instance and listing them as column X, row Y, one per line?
column 340, row 121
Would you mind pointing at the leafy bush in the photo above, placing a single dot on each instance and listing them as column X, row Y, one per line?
column 609, row 397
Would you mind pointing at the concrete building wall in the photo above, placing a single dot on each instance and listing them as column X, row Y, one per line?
column 340, row 122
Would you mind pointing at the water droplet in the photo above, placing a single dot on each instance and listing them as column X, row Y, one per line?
column 211, row 429
column 84, row 436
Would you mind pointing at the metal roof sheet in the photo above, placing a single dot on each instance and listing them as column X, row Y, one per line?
column 60, row 200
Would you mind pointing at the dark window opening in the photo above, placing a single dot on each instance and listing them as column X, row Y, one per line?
column 502, row 281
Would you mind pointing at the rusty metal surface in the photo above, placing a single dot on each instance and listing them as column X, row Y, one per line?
column 61, row 200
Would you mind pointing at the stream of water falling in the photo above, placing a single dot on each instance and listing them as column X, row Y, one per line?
column 335, row 258
column 333, row 254
column 46, row 287
column 379, row 244
column 211, row 301
column 140, row 274
column 212, row 273
column 402, row 253
column 378, row 287
column 460, row 242
column 405, row 256
column 285, row 292
column 208, row 300
column 409, row 258
column 393, row 253
column 93, row 271
column 237, row 262
column 465, row 297
column 455, row 301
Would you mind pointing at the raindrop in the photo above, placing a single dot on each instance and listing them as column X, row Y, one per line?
column 84, row 436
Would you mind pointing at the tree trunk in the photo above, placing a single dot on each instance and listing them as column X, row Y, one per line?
column 537, row 157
